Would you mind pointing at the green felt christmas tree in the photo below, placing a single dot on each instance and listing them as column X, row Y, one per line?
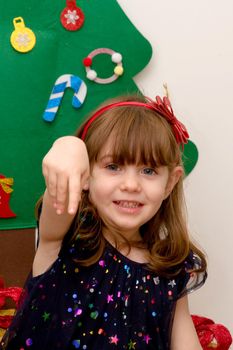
column 41, row 42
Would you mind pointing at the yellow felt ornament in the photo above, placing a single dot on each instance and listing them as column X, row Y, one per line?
column 22, row 38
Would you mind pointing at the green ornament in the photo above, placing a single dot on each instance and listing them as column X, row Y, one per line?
column 189, row 157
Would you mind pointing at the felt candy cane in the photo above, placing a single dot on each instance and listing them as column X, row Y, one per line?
column 63, row 82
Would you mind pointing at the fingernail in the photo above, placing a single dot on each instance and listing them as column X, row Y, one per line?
column 58, row 211
column 71, row 211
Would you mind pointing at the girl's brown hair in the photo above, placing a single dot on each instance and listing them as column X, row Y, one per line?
column 139, row 136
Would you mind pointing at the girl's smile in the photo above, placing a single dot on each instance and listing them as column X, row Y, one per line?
column 130, row 207
column 128, row 204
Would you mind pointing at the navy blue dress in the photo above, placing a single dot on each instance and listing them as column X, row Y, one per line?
column 115, row 303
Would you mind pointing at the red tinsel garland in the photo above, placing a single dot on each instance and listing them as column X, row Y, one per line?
column 212, row 335
column 13, row 293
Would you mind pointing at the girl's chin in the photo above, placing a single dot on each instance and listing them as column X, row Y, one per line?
column 122, row 229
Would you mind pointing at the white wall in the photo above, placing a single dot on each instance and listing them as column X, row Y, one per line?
column 193, row 53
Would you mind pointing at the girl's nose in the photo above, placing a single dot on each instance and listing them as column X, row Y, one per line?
column 130, row 182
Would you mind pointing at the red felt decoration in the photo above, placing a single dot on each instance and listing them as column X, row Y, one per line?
column 72, row 17
column 5, row 191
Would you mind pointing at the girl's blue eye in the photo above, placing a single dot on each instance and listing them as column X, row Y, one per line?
column 149, row 171
column 112, row 167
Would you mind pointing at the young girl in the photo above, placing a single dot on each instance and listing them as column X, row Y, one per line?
column 115, row 273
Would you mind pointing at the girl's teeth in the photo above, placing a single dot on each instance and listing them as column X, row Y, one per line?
column 128, row 204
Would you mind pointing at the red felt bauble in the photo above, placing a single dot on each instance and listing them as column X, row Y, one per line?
column 72, row 17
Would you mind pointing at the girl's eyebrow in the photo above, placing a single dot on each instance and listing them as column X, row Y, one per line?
column 106, row 156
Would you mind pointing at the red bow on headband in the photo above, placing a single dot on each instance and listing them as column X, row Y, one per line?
column 163, row 107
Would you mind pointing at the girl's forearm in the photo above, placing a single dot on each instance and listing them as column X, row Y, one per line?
column 53, row 227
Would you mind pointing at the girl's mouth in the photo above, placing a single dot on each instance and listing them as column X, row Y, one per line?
column 128, row 204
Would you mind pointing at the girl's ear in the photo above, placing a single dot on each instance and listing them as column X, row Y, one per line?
column 174, row 177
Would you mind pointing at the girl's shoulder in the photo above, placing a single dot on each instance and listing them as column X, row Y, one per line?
column 184, row 279
column 191, row 275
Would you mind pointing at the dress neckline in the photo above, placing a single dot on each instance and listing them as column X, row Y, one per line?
column 124, row 257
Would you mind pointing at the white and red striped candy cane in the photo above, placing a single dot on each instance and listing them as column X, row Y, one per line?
column 63, row 82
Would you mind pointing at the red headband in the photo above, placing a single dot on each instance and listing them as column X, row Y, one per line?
column 163, row 107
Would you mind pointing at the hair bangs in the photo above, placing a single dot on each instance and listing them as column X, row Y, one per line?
column 134, row 135
column 141, row 137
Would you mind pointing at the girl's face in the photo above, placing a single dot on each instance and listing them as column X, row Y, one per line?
column 127, row 196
